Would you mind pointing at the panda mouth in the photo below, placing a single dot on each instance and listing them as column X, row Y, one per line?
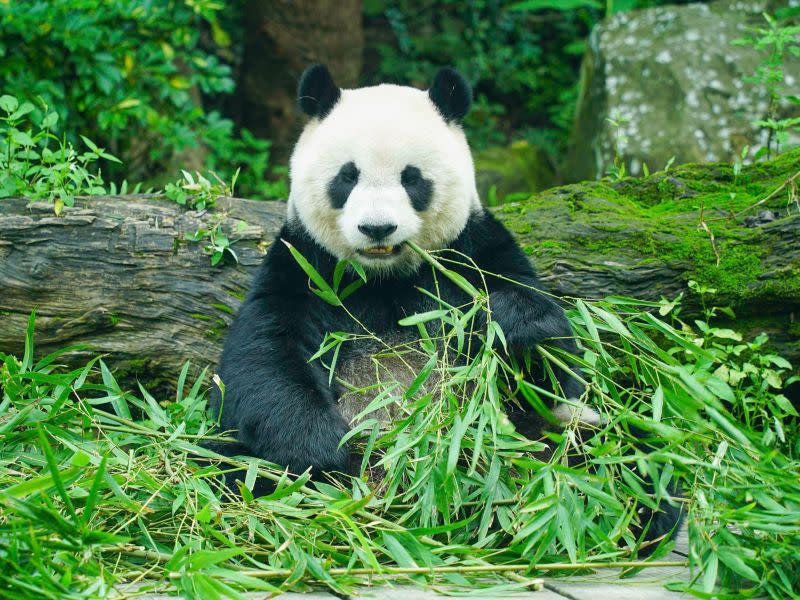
column 380, row 251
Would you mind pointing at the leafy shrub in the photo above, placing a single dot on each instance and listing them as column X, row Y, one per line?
column 34, row 162
column 136, row 76
column 247, row 155
column 218, row 245
column 198, row 192
column 776, row 40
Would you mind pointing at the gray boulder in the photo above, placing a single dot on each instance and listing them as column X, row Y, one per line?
column 676, row 85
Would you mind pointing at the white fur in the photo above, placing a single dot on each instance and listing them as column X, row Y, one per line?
column 383, row 129
column 576, row 411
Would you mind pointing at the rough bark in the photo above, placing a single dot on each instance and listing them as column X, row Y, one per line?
column 117, row 275
column 283, row 37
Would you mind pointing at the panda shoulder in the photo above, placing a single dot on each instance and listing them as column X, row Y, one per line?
column 484, row 230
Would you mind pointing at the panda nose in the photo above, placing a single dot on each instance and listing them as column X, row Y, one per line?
column 377, row 232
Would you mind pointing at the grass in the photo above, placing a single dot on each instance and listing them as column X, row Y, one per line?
column 103, row 486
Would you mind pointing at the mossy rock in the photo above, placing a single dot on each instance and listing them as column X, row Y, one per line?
column 669, row 82
column 646, row 238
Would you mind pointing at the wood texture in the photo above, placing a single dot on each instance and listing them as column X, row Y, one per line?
column 117, row 275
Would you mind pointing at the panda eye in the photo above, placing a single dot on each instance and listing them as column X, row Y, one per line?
column 340, row 186
column 419, row 189
column 349, row 173
column 410, row 176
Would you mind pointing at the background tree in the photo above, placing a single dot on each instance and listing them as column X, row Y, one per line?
column 282, row 37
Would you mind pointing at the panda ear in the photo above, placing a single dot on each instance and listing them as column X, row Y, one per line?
column 451, row 94
column 317, row 93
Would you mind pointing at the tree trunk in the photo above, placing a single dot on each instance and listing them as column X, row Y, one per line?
column 117, row 275
column 283, row 37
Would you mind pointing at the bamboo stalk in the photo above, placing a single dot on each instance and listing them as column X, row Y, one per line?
column 129, row 426
column 514, row 568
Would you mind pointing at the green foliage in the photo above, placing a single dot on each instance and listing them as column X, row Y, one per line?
column 618, row 170
column 198, row 192
column 776, row 41
column 219, row 244
column 100, row 484
column 137, row 76
column 522, row 57
column 34, row 162
column 247, row 155
column 756, row 375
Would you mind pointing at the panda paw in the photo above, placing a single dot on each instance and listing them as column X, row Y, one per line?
column 323, row 455
column 527, row 319
column 576, row 411
column 299, row 440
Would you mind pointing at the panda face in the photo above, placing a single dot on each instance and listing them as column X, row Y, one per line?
column 379, row 167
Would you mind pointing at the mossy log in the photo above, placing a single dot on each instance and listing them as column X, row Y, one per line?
column 118, row 275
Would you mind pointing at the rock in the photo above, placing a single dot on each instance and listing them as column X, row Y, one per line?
column 516, row 169
column 762, row 218
column 677, row 86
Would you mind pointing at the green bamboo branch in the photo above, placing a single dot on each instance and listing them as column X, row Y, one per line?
column 511, row 568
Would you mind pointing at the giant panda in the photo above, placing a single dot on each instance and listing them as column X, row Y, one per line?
column 374, row 168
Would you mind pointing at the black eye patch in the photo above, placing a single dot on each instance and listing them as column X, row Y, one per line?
column 419, row 189
column 339, row 187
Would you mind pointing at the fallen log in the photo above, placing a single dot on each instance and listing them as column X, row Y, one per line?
column 120, row 276
column 117, row 275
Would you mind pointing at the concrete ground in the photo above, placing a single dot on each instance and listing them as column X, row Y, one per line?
column 602, row 585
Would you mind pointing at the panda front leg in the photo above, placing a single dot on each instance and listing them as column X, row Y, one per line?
column 528, row 318
column 279, row 404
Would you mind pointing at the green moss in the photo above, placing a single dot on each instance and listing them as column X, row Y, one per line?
column 513, row 208
column 129, row 372
column 553, row 244
column 734, row 277
column 642, row 241
column 685, row 187
column 520, row 227
column 132, row 369
column 135, row 365
column 785, row 287
column 545, row 246
column 657, row 220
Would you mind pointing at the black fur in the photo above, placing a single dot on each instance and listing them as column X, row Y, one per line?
column 317, row 93
column 339, row 187
column 664, row 522
column 451, row 94
column 419, row 189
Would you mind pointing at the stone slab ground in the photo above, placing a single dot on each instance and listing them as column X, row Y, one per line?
column 603, row 585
